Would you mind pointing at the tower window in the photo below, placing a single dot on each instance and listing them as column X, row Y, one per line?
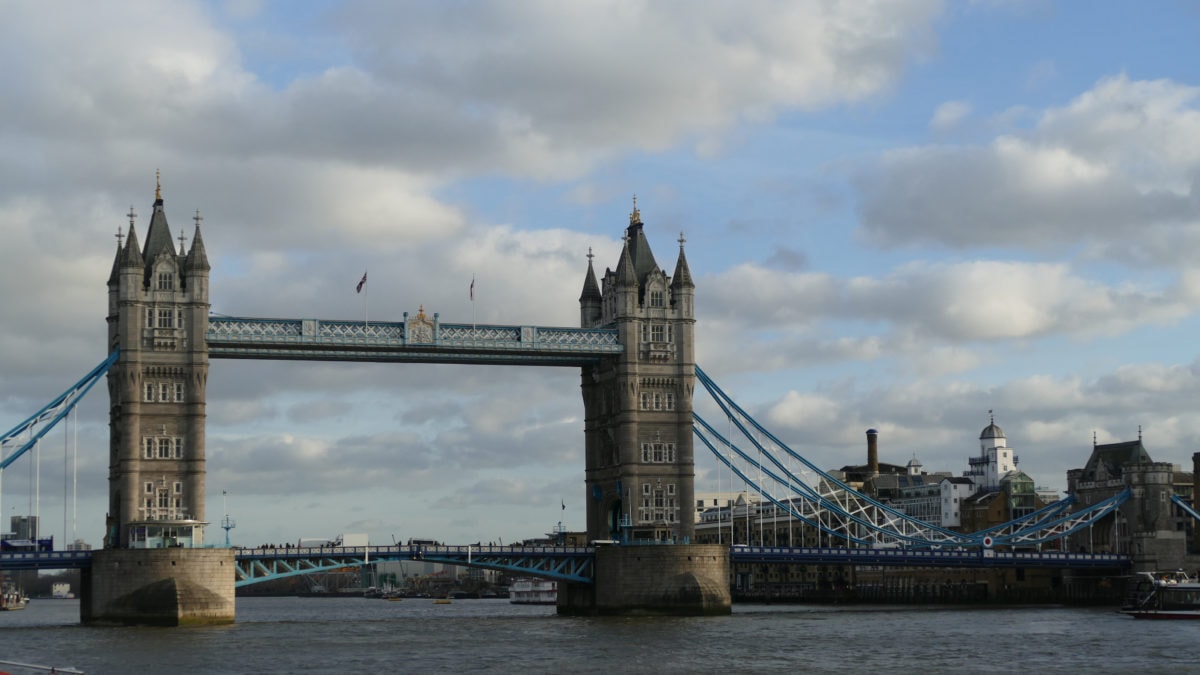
column 178, row 487
column 149, row 397
column 657, row 332
column 164, row 392
column 149, row 488
column 179, row 392
column 166, row 281
column 165, row 318
column 656, row 298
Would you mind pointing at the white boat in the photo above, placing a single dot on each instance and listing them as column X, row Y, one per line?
column 1164, row 595
column 532, row 591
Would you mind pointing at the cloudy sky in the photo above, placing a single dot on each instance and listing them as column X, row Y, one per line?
column 899, row 215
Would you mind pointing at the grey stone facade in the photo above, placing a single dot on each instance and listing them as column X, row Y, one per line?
column 1149, row 526
column 640, row 472
column 157, row 317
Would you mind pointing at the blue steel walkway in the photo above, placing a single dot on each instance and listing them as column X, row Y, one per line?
column 567, row 563
column 414, row 340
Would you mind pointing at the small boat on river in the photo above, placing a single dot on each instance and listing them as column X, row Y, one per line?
column 1164, row 595
column 12, row 599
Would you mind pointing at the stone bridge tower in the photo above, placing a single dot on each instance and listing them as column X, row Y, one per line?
column 157, row 316
column 640, row 472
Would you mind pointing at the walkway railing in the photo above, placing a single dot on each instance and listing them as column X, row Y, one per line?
column 410, row 340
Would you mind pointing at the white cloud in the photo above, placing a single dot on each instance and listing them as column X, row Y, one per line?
column 950, row 115
column 1113, row 167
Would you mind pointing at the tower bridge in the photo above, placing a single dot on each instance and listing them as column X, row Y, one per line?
column 634, row 350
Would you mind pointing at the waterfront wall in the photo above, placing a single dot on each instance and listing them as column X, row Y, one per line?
column 681, row 579
column 947, row 586
column 164, row 587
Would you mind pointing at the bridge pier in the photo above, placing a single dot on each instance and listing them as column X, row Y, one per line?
column 663, row 579
column 160, row 587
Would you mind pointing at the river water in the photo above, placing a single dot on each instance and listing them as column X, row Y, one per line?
column 356, row 635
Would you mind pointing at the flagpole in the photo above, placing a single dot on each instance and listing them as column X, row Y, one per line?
column 359, row 289
column 473, row 331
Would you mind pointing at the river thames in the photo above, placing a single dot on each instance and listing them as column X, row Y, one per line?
column 353, row 635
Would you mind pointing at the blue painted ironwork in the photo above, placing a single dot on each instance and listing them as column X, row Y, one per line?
column 565, row 563
column 924, row 557
column 1185, row 506
column 36, row 426
column 837, row 509
column 322, row 340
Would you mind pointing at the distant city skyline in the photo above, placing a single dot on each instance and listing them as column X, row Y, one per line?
column 897, row 215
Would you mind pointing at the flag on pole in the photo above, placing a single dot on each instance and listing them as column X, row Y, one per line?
column 361, row 283
column 472, row 292
column 564, row 505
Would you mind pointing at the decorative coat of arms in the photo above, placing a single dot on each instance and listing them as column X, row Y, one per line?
column 420, row 329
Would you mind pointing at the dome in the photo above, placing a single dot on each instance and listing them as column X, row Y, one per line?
column 872, row 432
column 992, row 431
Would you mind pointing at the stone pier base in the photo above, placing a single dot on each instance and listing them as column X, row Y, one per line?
column 676, row 579
column 162, row 587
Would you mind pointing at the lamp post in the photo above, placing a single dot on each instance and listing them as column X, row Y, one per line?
column 227, row 523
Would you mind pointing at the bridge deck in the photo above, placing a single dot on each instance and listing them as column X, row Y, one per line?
column 407, row 341
column 575, row 563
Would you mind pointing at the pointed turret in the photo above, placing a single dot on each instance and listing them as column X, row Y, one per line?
column 639, row 248
column 683, row 276
column 114, row 275
column 197, row 259
column 158, row 236
column 626, row 276
column 590, row 300
column 132, row 256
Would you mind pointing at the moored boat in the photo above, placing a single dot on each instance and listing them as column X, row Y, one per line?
column 11, row 599
column 1163, row 595
column 530, row 591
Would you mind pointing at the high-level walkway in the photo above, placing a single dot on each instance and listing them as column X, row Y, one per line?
column 418, row 340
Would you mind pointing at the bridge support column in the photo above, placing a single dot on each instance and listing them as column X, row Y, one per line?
column 161, row 587
column 687, row 580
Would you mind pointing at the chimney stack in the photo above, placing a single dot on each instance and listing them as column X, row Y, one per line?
column 873, row 451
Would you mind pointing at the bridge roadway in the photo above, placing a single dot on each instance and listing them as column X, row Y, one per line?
column 576, row 563
column 415, row 340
